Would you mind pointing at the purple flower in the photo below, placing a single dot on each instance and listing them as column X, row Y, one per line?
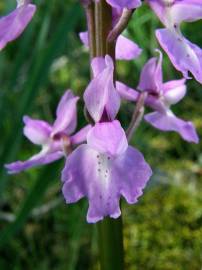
column 184, row 55
column 55, row 140
column 125, row 48
column 160, row 97
column 12, row 25
column 101, row 97
column 103, row 170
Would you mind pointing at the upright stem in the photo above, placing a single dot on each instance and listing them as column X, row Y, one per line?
column 110, row 238
column 103, row 25
column 110, row 233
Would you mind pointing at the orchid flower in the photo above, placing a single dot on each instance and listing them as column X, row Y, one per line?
column 105, row 168
column 125, row 48
column 160, row 96
column 184, row 55
column 55, row 139
column 12, row 25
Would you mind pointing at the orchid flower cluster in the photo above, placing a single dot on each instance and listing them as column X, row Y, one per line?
column 99, row 162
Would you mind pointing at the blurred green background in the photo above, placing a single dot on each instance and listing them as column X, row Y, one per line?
column 37, row 229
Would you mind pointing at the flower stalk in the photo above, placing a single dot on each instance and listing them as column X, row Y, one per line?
column 110, row 233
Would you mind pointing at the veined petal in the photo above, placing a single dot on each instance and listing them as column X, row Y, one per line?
column 81, row 135
column 101, row 95
column 66, row 120
column 108, row 138
column 169, row 122
column 120, row 4
column 126, row 49
column 151, row 75
column 37, row 160
column 37, row 131
column 12, row 25
column 174, row 91
column 126, row 92
column 184, row 55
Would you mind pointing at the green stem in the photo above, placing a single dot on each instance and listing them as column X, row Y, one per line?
column 110, row 233
column 110, row 238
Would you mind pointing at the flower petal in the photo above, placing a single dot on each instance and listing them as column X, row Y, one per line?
column 37, row 160
column 184, row 55
column 169, row 122
column 131, row 173
column 66, row 120
column 126, row 92
column 186, row 10
column 151, row 75
column 37, row 131
column 174, row 91
column 12, row 25
column 87, row 173
column 108, row 138
column 126, row 49
column 100, row 95
column 81, row 135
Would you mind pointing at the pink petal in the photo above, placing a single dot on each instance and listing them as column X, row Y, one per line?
column 126, row 49
column 126, row 92
column 186, row 10
column 108, row 138
column 131, row 173
column 66, row 120
column 100, row 95
column 98, row 65
column 169, row 122
column 12, row 25
column 37, row 160
column 151, row 75
column 184, row 55
column 81, row 135
column 174, row 91
column 37, row 131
